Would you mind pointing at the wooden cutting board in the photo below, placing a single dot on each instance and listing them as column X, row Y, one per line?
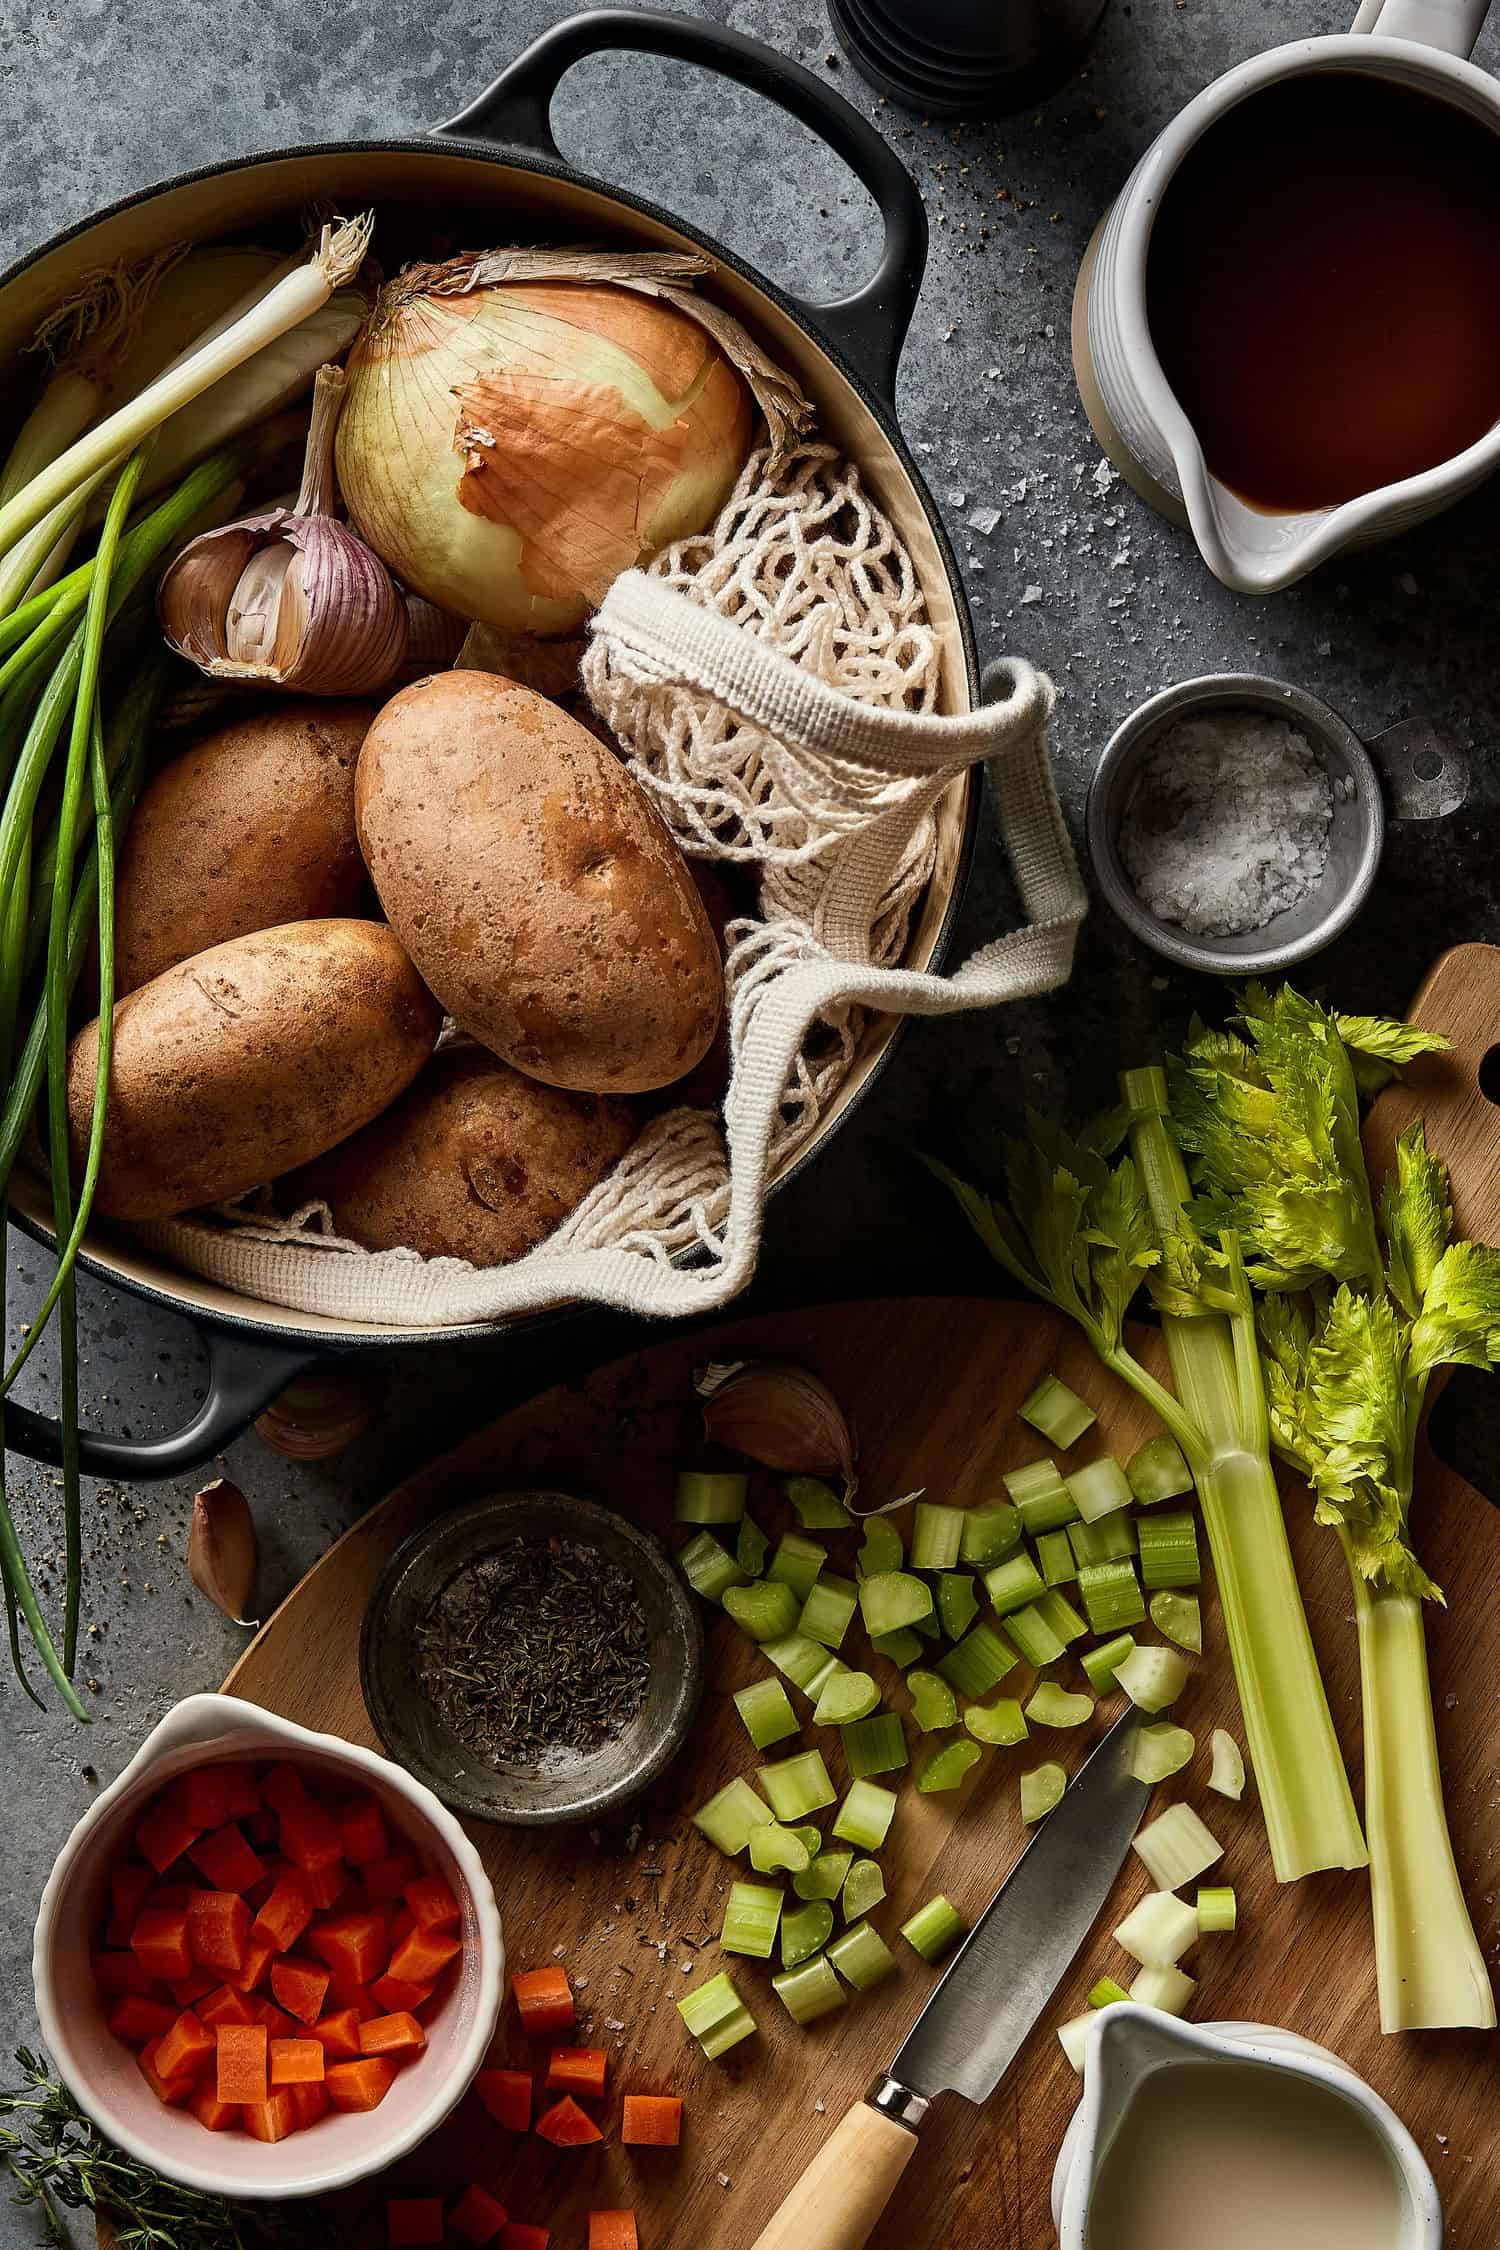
column 932, row 1387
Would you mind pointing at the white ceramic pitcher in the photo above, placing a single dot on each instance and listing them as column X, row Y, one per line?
column 1420, row 44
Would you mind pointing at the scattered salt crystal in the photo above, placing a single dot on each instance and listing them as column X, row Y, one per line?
column 1032, row 594
column 819, row 2108
column 613, row 2023
column 558, row 1951
column 723, row 2179
column 1104, row 476
column 983, row 520
column 956, row 497
column 1407, row 583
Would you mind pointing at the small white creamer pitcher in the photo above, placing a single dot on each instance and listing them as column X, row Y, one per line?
column 1422, row 45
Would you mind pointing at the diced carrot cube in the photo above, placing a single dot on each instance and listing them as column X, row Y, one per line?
column 339, row 2033
column 565, row 2125
column 392, row 2035
column 202, row 1796
column 359, row 2085
column 524, row 2238
column 139, row 2022
column 543, row 1996
column 173, row 2091
column 262, row 1828
column 612, row 2230
column 328, row 1886
column 432, row 1903
column 387, row 1878
column 285, row 1915
column 297, row 2062
column 165, row 1834
column 403, row 1922
column 300, row 1988
column 242, row 2062
column 651, row 2121
column 362, row 1831
column 477, row 2216
column 219, row 2117
column 310, row 2103
column 578, row 2070
column 283, row 1787
column 225, row 2006
column 308, row 1836
column 159, row 1942
column 393, row 1994
column 354, row 1948
column 188, row 1991
column 185, row 2049
column 412, row 2222
column 506, row 2094
column 171, row 1897
column 278, row 2026
column 272, row 2119
column 128, row 1885
column 219, row 1931
column 422, row 1956
column 227, row 1860
column 258, row 1958
column 123, row 1972
column 241, row 1797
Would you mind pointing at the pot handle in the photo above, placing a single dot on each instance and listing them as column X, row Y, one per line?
column 244, row 1375
column 1452, row 26
column 870, row 326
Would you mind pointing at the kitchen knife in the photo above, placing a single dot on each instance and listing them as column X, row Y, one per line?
column 989, row 2000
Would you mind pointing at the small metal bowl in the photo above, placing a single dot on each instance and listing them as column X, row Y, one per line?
column 1354, row 839
column 571, row 1785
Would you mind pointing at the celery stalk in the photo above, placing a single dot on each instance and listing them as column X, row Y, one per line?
column 957, row 1603
column 846, row 1697
column 809, row 1991
column 989, row 1535
column 805, row 1930
column 936, row 1534
column 774, row 1849
column 933, row 1927
column 751, row 1915
column 1002, row 1721
column 766, row 1712
column 947, row 1767
column 825, row 1878
column 874, row 1745
column 862, row 1956
column 864, row 1888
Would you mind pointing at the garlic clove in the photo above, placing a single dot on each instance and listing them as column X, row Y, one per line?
column 222, row 1549
column 779, row 1415
column 320, row 1415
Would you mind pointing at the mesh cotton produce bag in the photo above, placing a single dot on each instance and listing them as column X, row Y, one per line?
column 772, row 683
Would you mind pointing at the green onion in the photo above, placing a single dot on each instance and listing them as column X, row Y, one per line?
column 825, row 1878
column 751, row 1547
column 1042, row 1790
column 875, row 1745
column 751, row 1914
column 851, row 1696
column 1042, row 1500
column 1013, row 1582
column 1106, row 1541
column 901, row 1647
column 716, row 2016
column 1169, row 1549
column 805, row 1930
column 797, row 1563
column 1002, row 1722
column 862, row 1956
column 1059, row 1615
column 880, row 1549
column 892, row 1599
column 828, row 1609
column 1218, row 1909
column 957, row 1604
column 709, row 1496
column 1074, row 2038
column 809, row 1991
column 864, row 1888
column 1160, row 1751
column 989, row 1535
column 1152, row 1677
column 1055, row 1558
column 1176, row 1847
column 1178, row 1618
column 864, row 1818
column 979, row 1663
column 1227, row 1775
column 1111, row 1594
column 1099, row 1488
column 1107, row 1994
column 933, row 1928
column 936, row 1535
column 1158, row 1470
column 946, row 1768
column 709, row 1568
column 1158, row 1931
column 730, row 1815
column 933, row 1702
column 767, row 1713
column 764, row 1610
column 1101, row 1663
column 1058, row 1413
column 1053, row 1706
column 817, row 1505
column 798, row 1658
column 773, row 1847
column 1165, row 1988
column 797, row 1785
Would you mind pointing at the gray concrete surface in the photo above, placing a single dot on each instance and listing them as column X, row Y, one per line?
column 99, row 97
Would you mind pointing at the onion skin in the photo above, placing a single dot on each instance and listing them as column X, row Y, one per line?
column 510, row 450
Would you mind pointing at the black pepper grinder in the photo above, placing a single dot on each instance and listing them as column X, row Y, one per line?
column 964, row 58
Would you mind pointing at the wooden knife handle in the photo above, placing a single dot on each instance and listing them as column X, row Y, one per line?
column 839, row 2198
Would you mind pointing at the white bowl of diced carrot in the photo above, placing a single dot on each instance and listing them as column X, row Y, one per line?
column 267, row 1962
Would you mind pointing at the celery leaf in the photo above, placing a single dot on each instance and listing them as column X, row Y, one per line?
column 1459, row 1324
column 1416, row 1218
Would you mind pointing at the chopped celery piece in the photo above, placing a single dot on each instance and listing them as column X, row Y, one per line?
column 933, row 1702
column 1042, row 1499
column 1057, row 1611
column 1100, row 1663
column 880, row 1549
column 979, row 1663
column 751, row 1547
column 832, row 1668
column 1157, row 1471
column 1002, row 1722
column 797, row 1563
column 1058, row 1413
column 1176, row 1847
column 805, row 1930
column 1053, row 1706
column 957, row 1603
column 716, row 2016
column 1179, row 1619
column 936, row 1536
column 865, row 1816
column 1041, row 1790
column 1168, row 1548
column 828, row 1609
column 1099, row 1488
column 1218, row 1909
column 1107, row 1994
column 709, row 1568
column 1105, row 1541
column 825, row 1877
column 774, row 1848
column 817, row 1505
column 1056, row 1559
column 1152, row 1677
column 1074, row 2039
column 1159, row 1930
column 809, row 1991
column 765, row 1611
column 767, row 1712
column 1228, row 1773
column 729, row 1816
column 928, row 1627
column 751, row 1914
column 710, row 1496
column 946, row 1768
column 1034, row 1637
column 933, row 1928
column 891, row 1599
column 1111, row 1595
column 901, row 1647
column 846, row 1697
column 1157, row 1752
column 797, row 1785
column 812, row 1836
column 875, row 1745
column 1167, row 1989
column 864, row 1888
column 1012, row 1582
column 799, row 1658
column 989, row 1535
column 862, row 1956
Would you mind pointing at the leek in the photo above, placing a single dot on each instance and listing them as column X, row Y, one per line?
column 1099, row 1488
column 1168, row 1548
column 1176, row 1847
column 989, row 1535
column 1156, row 1753
column 1012, row 1582
column 1060, row 1414
column 1227, row 1775
column 1110, row 1593
column 933, row 1702
column 1157, row 1471
column 1166, row 1988
column 765, row 1611
column 1034, row 1637
column 936, row 1534
column 979, row 1663
column 1102, row 1663
column 797, row 1785
column 933, row 1928
column 824, row 1879
column 766, row 1711
column 774, row 1849
column 864, row 1818
column 862, row 1956
column 1042, row 1791
column 1178, row 1618
column 845, row 1698
column 948, row 1767
column 716, row 2016
column 874, row 1745
column 957, row 1603
column 818, row 1507
column 1053, row 1706
column 809, row 1991
column 730, row 1816
column 1001, row 1723
column 880, row 1549
column 797, row 1563
column 1152, row 1677
column 751, row 1914
column 709, row 1496
column 864, row 1888
column 1159, row 1930
column 1218, row 1910
column 805, row 1930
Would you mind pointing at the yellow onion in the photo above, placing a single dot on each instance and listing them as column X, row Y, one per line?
column 513, row 439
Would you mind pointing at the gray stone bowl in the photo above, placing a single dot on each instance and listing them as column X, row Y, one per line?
column 570, row 1785
column 1354, row 839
